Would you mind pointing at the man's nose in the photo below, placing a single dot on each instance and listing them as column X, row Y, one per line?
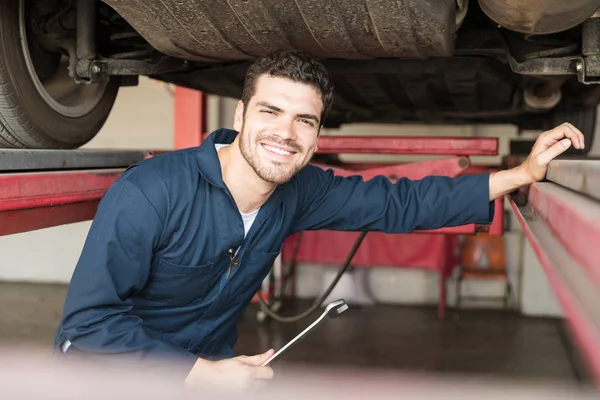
column 285, row 129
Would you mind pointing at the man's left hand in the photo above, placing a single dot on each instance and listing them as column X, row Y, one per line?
column 547, row 147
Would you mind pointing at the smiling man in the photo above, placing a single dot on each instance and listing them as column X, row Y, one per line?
column 182, row 241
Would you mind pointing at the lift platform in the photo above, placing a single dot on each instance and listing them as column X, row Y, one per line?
column 46, row 188
column 561, row 219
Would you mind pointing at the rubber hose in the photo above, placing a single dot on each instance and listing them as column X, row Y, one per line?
column 321, row 298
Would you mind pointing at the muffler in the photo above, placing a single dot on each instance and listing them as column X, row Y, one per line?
column 539, row 17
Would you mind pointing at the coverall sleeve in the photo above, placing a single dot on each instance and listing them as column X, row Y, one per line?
column 352, row 204
column 114, row 265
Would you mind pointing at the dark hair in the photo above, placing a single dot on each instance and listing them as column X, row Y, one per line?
column 294, row 65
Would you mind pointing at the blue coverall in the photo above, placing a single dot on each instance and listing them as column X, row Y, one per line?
column 151, row 279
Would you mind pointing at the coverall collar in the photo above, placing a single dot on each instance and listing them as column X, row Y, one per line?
column 208, row 159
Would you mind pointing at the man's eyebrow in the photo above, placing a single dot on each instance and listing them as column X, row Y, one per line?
column 270, row 106
column 275, row 108
column 309, row 116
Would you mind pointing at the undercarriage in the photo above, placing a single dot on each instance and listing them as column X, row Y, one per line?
column 409, row 61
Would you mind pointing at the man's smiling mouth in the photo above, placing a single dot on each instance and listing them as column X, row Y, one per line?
column 277, row 150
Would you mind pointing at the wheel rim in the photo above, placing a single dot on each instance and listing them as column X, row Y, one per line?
column 60, row 91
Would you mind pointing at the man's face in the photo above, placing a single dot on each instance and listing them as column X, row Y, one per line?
column 279, row 133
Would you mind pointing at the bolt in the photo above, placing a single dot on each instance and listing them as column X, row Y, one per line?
column 579, row 67
column 95, row 69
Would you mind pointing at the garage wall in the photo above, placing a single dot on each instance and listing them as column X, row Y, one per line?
column 50, row 255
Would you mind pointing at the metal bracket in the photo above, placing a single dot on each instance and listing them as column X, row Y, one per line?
column 583, row 68
column 102, row 69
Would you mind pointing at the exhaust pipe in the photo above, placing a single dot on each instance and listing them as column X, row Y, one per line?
column 524, row 15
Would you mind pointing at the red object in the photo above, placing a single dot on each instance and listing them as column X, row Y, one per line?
column 426, row 145
column 574, row 220
column 582, row 176
column 31, row 201
column 431, row 250
column 426, row 251
column 553, row 235
column 451, row 166
column 190, row 117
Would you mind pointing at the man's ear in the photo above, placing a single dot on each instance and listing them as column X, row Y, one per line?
column 238, row 119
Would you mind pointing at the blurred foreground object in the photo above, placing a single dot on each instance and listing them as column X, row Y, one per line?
column 27, row 375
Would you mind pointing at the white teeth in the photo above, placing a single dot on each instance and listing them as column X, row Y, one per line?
column 276, row 150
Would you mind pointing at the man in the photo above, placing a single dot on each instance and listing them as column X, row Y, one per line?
column 181, row 242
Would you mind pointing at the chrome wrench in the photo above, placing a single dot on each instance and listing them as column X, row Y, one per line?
column 333, row 310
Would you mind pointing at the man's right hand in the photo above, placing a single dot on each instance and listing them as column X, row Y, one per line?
column 238, row 373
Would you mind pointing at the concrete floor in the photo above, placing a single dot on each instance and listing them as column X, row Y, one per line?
column 485, row 343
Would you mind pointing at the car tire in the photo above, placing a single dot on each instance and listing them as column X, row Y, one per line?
column 581, row 117
column 34, row 114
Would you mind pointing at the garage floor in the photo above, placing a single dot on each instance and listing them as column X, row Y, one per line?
column 487, row 343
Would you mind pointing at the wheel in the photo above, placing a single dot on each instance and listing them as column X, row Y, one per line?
column 41, row 106
column 582, row 117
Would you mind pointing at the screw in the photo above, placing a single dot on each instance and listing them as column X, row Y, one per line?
column 579, row 67
column 95, row 69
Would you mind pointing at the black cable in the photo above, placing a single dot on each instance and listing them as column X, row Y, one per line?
column 321, row 298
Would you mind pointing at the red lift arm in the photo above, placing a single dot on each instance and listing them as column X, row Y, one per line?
column 561, row 219
column 35, row 193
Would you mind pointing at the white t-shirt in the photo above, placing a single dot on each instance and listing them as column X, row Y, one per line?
column 248, row 218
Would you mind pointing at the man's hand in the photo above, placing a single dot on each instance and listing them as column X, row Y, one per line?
column 234, row 374
column 547, row 147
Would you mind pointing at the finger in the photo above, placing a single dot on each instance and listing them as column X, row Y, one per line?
column 554, row 151
column 258, row 359
column 573, row 134
column 578, row 134
column 565, row 130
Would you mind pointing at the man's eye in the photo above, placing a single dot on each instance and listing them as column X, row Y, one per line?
column 268, row 111
column 306, row 121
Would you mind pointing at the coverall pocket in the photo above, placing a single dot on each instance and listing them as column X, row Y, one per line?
column 178, row 285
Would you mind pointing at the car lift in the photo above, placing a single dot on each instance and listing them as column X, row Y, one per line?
column 561, row 217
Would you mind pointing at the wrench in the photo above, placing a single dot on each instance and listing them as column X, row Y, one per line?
column 333, row 310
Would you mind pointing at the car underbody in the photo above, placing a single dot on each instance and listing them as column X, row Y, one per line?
column 392, row 61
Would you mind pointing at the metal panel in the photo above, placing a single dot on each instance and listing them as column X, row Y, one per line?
column 562, row 228
column 31, row 219
column 32, row 201
column 28, row 160
column 408, row 145
column 583, row 176
column 22, row 191
column 574, row 220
